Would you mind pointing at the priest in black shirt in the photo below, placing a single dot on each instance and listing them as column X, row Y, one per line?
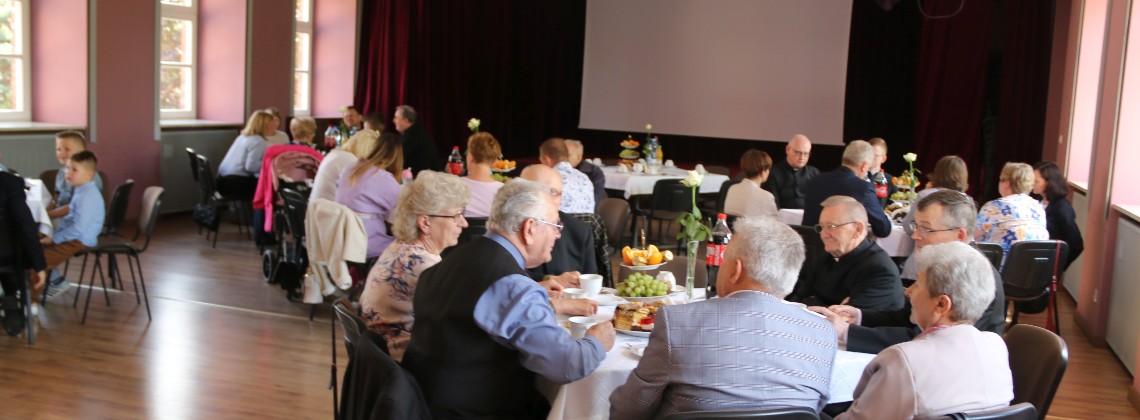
column 788, row 179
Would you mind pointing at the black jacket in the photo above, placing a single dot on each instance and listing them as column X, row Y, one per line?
column 843, row 181
column 376, row 387
column 419, row 150
column 573, row 251
column 866, row 274
column 1062, row 224
column 789, row 186
column 20, row 223
column 598, row 178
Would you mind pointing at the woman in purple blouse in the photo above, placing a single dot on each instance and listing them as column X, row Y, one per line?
column 370, row 189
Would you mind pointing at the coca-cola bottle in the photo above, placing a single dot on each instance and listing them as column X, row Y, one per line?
column 455, row 162
column 718, row 242
column 331, row 136
column 879, row 181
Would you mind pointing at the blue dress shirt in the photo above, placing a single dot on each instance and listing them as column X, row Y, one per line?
column 65, row 190
column 84, row 221
column 516, row 312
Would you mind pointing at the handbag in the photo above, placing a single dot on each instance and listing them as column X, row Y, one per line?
column 206, row 216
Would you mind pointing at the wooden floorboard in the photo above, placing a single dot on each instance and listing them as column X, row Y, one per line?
column 225, row 344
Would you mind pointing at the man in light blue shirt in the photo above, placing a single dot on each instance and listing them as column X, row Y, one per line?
column 484, row 329
column 80, row 228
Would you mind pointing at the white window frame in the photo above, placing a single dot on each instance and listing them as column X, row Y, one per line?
column 23, row 97
column 190, row 13
column 303, row 27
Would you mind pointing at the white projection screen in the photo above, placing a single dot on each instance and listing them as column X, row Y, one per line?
column 739, row 69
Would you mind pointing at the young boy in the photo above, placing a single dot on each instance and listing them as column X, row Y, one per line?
column 80, row 228
column 67, row 143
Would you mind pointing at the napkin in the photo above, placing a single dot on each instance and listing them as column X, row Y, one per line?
column 700, row 169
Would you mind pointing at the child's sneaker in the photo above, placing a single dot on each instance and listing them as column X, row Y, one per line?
column 55, row 289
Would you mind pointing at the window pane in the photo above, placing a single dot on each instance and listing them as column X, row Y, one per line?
column 301, row 10
column 300, row 90
column 177, row 41
column 174, row 88
column 301, row 51
column 186, row 3
column 10, row 83
column 10, row 29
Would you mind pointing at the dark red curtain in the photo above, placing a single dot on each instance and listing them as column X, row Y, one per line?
column 1026, row 51
column 951, row 80
column 514, row 64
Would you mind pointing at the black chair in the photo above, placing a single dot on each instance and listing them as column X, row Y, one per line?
column 1023, row 411
column 992, row 251
column 117, row 209
column 1037, row 360
column 193, row 163
column 615, row 215
column 814, row 257
column 1030, row 272
column 376, row 387
column 210, row 197
column 476, row 227
column 723, row 194
column 670, row 198
column 48, row 177
column 782, row 413
column 718, row 169
column 113, row 247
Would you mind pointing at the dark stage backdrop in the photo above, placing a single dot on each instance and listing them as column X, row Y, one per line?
column 919, row 83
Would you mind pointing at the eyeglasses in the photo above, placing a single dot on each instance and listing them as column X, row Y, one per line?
column 801, row 153
column 555, row 192
column 455, row 217
column 926, row 231
column 830, row 228
column 556, row 226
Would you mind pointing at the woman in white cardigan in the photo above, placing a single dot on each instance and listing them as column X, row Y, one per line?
column 951, row 367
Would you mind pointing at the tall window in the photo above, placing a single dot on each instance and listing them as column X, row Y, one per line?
column 302, row 58
column 178, row 69
column 15, row 70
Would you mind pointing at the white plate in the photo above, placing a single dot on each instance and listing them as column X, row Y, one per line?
column 677, row 292
column 635, row 333
column 643, row 267
column 607, row 300
column 637, row 349
column 503, row 171
column 608, row 291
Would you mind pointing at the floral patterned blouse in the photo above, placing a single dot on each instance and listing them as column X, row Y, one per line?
column 1010, row 219
column 387, row 298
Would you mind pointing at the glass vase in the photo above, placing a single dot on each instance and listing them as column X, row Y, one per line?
column 691, row 268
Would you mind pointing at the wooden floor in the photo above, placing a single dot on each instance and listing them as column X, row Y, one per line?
column 225, row 344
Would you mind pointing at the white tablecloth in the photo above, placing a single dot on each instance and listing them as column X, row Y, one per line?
column 642, row 184
column 898, row 244
column 589, row 397
column 37, row 198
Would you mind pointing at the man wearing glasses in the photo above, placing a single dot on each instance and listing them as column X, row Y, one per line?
column 484, row 329
column 860, row 273
column 788, row 179
column 941, row 217
column 573, row 253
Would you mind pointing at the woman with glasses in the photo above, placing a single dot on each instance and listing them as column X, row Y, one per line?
column 1014, row 217
column 370, row 188
column 1060, row 219
column 428, row 218
column 482, row 152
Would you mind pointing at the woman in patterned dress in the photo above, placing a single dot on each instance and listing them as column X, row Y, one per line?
column 1016, row 216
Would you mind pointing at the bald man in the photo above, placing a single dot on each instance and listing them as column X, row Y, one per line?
column 573, row 252
column 788, row 178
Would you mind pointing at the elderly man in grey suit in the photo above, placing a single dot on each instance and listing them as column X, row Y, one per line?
column 748, row 349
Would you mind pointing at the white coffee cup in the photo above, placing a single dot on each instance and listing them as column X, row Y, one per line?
column 579, row 325
column 638, row 168
column 669, row 163
column 653, row 169
column 591, row 284
column 573, row 293
column 668, row 278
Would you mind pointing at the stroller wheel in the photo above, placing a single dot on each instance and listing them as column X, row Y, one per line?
column 268, row 263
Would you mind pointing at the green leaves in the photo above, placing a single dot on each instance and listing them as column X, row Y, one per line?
column 694, row 226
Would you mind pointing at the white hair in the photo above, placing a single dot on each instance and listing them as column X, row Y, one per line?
column 770, row 251
column 857, row 153
column 851, row 207
column 961, row 272
column 516, row 202
column 430, row 193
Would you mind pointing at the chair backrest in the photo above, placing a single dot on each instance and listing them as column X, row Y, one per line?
column 814, row 257
column 148, row 215
column 718, row 169
column 1030, row 265
column 670, row 195
column 193, row 163
column 205, row 179
column 48, row 177
column 476, row 227
column 992, row 251
column 1037, row 360
column 117, row 209
column 723, row 194
column 350, row 322
column 1023, row 411
column 615, row 215
column 782, row 413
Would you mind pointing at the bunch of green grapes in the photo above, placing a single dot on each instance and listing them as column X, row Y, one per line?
column 642, row 285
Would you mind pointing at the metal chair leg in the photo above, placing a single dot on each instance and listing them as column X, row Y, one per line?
column 90, row 289
column 82, row 271
column 142, row 282
column 130, row 267
column 26, row 296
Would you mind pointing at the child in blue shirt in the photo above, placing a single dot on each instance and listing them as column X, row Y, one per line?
column 80, row 228
column 67, row 143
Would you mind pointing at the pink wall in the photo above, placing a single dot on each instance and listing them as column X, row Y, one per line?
column 334, row 56
column 59, row 61
column 124, row 109
column 269, row 40
column 221, row 60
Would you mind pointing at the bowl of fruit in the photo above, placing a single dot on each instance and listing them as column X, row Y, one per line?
column 630, row 143
column 649, row 258
column 503, row 166
column 641, row 287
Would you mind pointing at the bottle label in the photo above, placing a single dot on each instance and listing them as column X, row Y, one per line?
column 715, row 254
column 880, row 190
column 455, row 168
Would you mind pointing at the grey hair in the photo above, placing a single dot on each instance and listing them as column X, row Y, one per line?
column 408, row 112
column 961, row 272
column 851, row 207
column 517, row 201
column 430, row 193
column 957, row 208
column 770, row 251
column 857, row 153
